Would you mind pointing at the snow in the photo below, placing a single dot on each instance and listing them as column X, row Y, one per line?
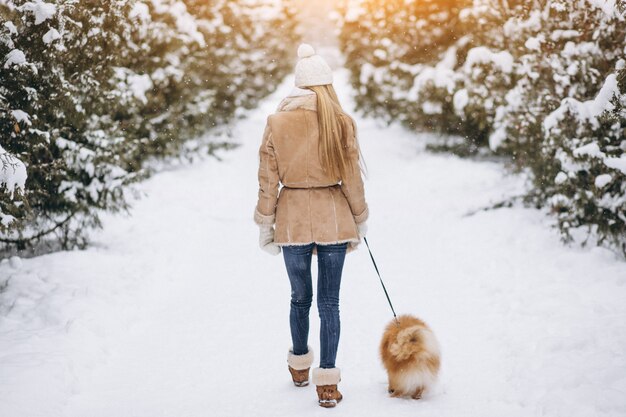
column 497, row 138
column 438, row 76
column 10, row 27
column 51, row 36
column 139, row 85
column 135, row 84
column 616, row 163
column 140, row 11
column 14, row 57
column 533, row 43
column 560, row 178
column 185, row 22
column 560, row 34
column 532, row 24
column 432, row 107
column 12, row 174
column 607, row 6
column 585, row 111
column 483, row 55
column 42, row 10
column 593, row 150
column 175, row 311
column 354, row 11
column 21, row 117
column 602, row 180
column 460, row 100
column 590, row 149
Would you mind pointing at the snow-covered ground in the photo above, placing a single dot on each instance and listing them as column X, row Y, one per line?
column 175, row 311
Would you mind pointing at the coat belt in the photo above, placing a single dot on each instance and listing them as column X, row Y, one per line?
column 315, row 187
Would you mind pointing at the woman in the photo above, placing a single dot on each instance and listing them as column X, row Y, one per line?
column 310, row 147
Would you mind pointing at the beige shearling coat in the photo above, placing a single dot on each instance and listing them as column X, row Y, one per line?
column 310, row 206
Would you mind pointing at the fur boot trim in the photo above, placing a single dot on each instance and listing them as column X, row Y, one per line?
column 326, row 376
column 300, row 362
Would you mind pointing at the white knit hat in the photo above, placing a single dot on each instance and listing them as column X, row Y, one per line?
column 311, row 69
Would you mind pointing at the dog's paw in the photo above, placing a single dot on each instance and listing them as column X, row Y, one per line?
column 418, row 393
column 394, row 393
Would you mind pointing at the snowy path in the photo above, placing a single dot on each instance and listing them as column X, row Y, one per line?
column 176, row 312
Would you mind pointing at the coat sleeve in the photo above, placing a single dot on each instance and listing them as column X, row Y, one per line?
column 265, row 211
column 352, row 185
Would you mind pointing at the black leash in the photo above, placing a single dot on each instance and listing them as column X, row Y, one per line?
column 381, row 280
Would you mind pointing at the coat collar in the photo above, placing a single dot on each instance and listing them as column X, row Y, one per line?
column 299, row 99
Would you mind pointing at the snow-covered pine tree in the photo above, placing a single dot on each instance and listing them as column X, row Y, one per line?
column 391, row 49
column 509, row 65
column 583, row 174
column 91, row 90
column 568, row 55
column 70, row 159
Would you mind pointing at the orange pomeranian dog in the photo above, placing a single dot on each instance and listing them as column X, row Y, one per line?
column 410, row 353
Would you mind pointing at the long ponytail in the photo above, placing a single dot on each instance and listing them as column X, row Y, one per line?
column 334, row 129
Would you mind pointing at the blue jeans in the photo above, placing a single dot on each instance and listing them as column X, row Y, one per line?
column 330, row 265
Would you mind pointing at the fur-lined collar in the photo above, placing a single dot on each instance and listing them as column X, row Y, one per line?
column 298, row 100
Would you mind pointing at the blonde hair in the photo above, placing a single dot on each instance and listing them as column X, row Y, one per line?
column 334, row 130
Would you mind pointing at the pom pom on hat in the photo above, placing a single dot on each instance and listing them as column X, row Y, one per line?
column 305, row 50
column 311, row 69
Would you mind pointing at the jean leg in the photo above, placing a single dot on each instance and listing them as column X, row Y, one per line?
column 298, row 264
column 330, row 259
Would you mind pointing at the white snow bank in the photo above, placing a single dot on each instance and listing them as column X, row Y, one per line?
column 14, row 57
column 585, row 111
column 482, row 55
column 12, row 172
column 42, row 10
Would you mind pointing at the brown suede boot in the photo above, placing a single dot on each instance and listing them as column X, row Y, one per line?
column 300, row 377
column 299, row 366
column 326, row 380
column 328, row 395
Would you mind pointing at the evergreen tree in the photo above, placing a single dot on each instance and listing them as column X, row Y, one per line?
column 91, row 91
column 508, row 74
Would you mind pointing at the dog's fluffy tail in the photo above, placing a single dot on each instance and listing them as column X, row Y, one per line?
column 415, row 339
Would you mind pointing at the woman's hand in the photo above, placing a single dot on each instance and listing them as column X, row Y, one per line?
column 266, row 240
column 362, row 229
